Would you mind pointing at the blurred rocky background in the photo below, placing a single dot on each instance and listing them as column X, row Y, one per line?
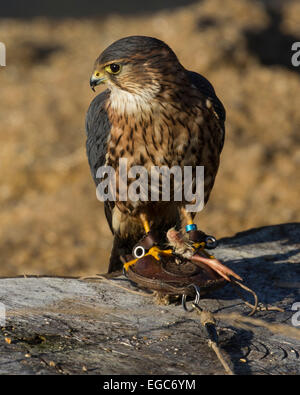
column 50, row 219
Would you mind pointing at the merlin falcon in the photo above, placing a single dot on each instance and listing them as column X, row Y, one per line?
column 154, row 112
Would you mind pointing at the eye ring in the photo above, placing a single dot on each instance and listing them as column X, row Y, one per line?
column 113, row 68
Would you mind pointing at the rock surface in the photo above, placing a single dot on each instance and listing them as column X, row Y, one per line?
column 70, row 326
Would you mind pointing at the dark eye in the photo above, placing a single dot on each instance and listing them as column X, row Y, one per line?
column 115, row 68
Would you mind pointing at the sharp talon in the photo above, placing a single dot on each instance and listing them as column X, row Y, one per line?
column 217, row 266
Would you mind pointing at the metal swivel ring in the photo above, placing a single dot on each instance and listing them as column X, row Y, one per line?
column 210, row 242
column 196, row 300
column 138, row 251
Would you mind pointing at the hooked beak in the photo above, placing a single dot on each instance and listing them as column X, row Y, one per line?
column 97, row 78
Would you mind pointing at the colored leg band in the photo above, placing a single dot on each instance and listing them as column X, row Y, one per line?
column 190, row 227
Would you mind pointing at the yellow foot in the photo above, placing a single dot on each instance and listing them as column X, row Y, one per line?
column 196, row 246
column 129, row 263
column 154, row 251
column 201, row 246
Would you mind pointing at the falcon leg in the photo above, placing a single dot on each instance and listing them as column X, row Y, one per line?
column 154, row 250
column 199, row 238
column 195, row 236
column 188, row 219
column 145, row 223
column 191, row 228
column 146, row 244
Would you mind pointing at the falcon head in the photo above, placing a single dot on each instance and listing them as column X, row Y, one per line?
column 139, row 65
